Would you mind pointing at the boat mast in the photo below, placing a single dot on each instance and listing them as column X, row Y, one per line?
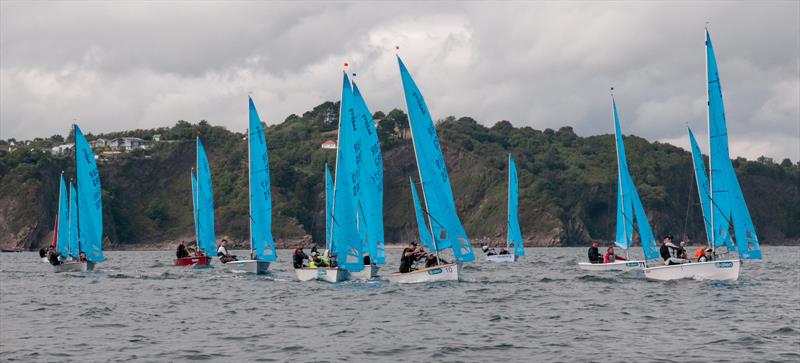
column 710, row 159
column 197, row 190
column 77, row 187
column 69, row 219
column 619, row 178
column 58, row 215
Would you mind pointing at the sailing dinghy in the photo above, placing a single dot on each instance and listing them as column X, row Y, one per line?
column 444, row 225
column 262, row 246
column 344, row 240
column 514, row 234
column 203, row 208
column 629, row 209
column 82, row 244
column 722, row 200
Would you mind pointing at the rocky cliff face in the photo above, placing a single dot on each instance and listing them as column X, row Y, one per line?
column 567, row 186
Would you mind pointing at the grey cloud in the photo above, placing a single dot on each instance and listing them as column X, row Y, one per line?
column 118, row 66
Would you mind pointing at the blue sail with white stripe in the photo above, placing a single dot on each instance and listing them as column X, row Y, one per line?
column 371, row 180
column 629, row 206
column 514, row 233
column 447, row 228
column 62, row 219
column 730, row 208
column 90, row 200
column 74, row 248
column 346, row 239
column 206, row 238
column 702, row 183
column 261, row 240
column 424, row 232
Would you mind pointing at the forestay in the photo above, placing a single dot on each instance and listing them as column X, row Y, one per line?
column 206, row 238
column 371, row 196
column 74, row 248
column 261, row 240
column 90, row 200
column 702, row 183
column 514, row 233
column 61, row 239
column 328, row 202
column 444, row 222
column 424, row 232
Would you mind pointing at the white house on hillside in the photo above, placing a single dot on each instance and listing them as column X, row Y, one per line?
column 128, row 144
column 98, row 143
column 330, row 144
column 60, row 149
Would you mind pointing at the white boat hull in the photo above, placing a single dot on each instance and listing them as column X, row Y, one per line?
column 367, row 273
column 613, row 266
column 327, row 274
column 257, row 267
column 74, row 266
column 727, row 270
column 447, row 272
column 502, row 258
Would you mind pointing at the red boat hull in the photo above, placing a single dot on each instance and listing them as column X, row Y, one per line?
column 193, row 261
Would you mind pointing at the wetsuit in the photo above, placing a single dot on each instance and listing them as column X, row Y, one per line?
column 406, row 261
column 182, row 252
column 594, row 255
column 297, row 259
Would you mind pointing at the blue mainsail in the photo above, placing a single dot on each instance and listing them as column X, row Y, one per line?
column 718, row 152
column 442, row 217
column 206, row 238
column 702, row 183
column 424, row 232
column 371, row 179
column 328, row 202
column 260, row 195
column 346, row 190
column 629, row 206
column 62, row 219
column 730, row 208
column 90, row 200
column 74, row 249
column 514, row 233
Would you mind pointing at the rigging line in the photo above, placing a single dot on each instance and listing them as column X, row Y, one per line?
column 688, row 204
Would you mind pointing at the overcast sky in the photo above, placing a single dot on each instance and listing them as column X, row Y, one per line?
column 117, row 66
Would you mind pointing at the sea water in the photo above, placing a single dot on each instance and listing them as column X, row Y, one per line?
column 138, row 307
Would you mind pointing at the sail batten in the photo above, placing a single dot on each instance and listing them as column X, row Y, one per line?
column 447, row 230
column 261, row 240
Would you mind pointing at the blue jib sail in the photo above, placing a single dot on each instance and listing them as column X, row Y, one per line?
column 371, row 180
column 90, row 200
column 447, row 228
column 514, row 233
column 702, row 183
column 194, row 205
column 260, row 195
column 629, row 206
column 62, row 219
column 74, row 248
column 206, row 238
column 730, row 208
column 346, row 238
column 424, row 232
column 328, row 202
